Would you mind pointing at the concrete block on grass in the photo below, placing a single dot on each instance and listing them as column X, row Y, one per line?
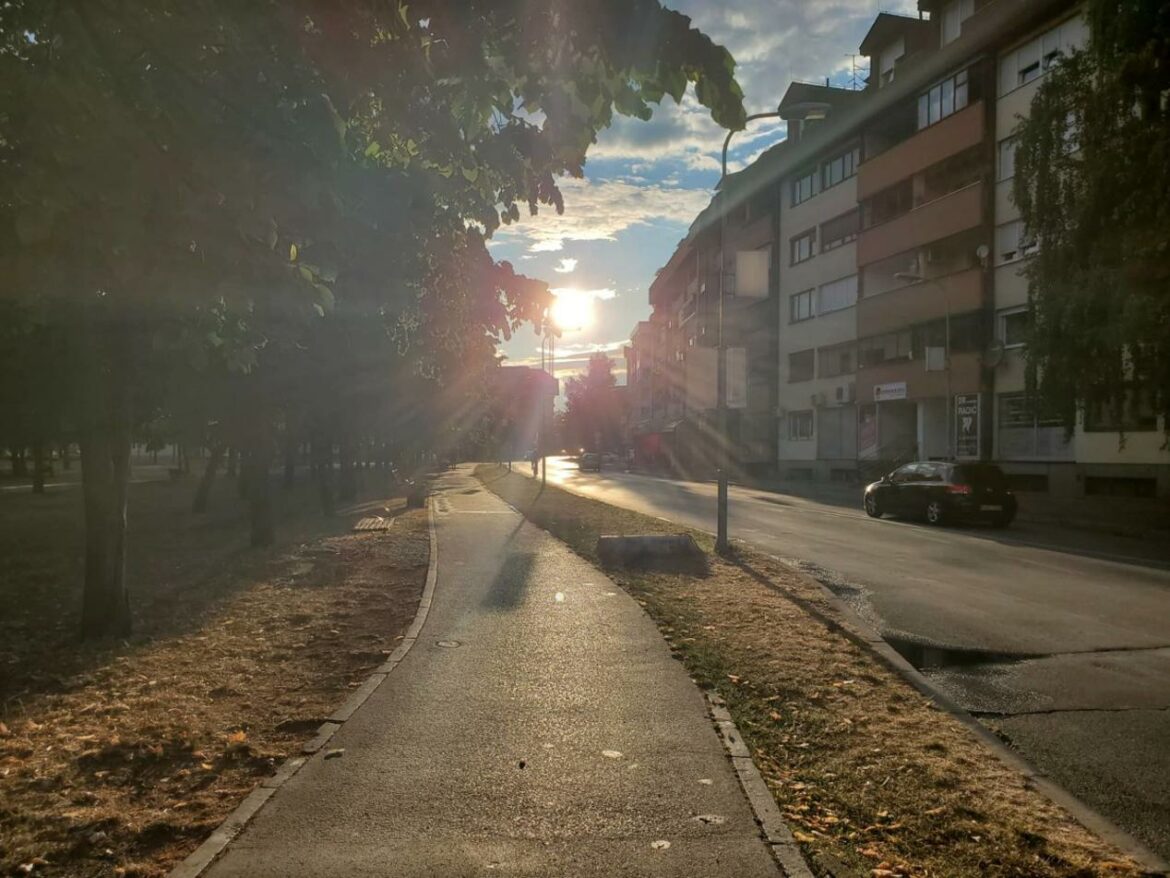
column 671, row 552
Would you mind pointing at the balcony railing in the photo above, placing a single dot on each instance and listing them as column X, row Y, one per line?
column 920, row 302
column 949, row 215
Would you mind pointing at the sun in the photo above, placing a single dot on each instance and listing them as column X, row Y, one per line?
column 572, row 309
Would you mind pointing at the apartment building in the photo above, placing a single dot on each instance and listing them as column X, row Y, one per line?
column 896, row 259
column 818, row 286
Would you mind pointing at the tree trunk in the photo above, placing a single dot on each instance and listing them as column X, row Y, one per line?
column 323, row 463
column 259, row 496
column 346, row 476
column 203, row 492
column 38, row 474
column 105, row 476
column 290, row 462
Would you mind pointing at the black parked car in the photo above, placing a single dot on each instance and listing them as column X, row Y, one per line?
column 942, row 492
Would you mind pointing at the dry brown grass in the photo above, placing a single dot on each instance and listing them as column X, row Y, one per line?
column 873, row 779
column 119, row 759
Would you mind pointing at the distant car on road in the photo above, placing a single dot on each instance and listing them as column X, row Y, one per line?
column 610, row 459
column 944, row 492
column 589, row 461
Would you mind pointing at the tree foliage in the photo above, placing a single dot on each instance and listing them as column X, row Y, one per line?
column 593, row 407
column 273, row 215
column 1092, row 173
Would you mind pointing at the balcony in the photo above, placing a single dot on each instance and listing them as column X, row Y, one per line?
column 932, row 221
column 920, row 302
column 921, row 384
column 927, row 147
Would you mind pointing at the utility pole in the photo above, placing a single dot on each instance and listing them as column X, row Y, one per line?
column 721, row 541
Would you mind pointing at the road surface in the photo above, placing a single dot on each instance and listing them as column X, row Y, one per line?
column 1060, row 639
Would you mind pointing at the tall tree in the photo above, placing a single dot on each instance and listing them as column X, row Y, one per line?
column 180, row 178
column 1092, row 173
column 592, row 406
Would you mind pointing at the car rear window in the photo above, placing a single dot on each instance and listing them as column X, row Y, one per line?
column 980, row 474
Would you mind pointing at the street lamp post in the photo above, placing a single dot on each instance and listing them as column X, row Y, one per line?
column 548, row 339
column 721, row 543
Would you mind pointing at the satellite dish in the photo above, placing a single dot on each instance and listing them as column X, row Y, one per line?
column 994, row 354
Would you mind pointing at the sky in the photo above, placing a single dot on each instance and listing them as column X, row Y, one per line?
column 645, row 181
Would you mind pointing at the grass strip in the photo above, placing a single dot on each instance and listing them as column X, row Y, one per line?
column 873, row 779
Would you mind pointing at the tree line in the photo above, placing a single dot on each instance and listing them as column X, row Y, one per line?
column 260, row 225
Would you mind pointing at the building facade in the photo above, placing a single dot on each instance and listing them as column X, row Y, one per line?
column 895, row 285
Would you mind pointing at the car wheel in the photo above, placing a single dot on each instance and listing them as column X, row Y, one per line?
column 935, row 512
column 872, row 508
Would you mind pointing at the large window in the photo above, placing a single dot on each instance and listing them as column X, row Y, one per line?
column 804, row 246
column 801, row 365
column 943, row 99
column 1012, row 242
column 800, row 425
column 1137, row 415
column 889, row 203
column 805, row 187
column 800, row 306
column 840, row 230
column 837, row 295
column 1034, row 58
column 837, row 360
column 840, row 168
column 1007, row 158
column 1025, row 435
column 886, row 348
column 1013, row 326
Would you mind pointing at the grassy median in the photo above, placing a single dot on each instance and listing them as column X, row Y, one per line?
column 873, row 779
column 119, row 758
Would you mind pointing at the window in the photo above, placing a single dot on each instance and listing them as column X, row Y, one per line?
column 1034, row 58
column 888, row 58
column 800, row 425
column 840, row 168
column 805, row 187
column 889, row 203
column 1137, row 415
column 1024, row 434
column 840, row 230
column 838, row 294
column 1013, row 327
column 804, row 246
column 953, row 16
column 885, row 348
column 1007, row 158
column 835, row 361
column 801, row 366
column 943, row 99
column 800, row 306
column 1012, row 242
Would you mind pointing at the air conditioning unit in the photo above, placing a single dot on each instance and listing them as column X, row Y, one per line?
column 817, row 399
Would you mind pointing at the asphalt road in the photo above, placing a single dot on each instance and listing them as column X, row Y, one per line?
column 1060, row 639
column 539, row 727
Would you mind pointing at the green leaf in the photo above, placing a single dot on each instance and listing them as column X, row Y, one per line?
column 292, row 252
column 307, row 274
column 470, row 174
column 373, row 149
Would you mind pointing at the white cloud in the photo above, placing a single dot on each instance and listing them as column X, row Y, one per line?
column 600, row 211
column 566, row 266
column 604, row 293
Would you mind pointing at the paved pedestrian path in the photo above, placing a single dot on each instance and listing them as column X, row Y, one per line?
column 539, row 727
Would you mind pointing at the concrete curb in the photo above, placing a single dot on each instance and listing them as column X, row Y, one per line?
column 854, row 628
column 207, row 853
column 776, row 833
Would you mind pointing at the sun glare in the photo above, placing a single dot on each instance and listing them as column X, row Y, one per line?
column 572, row 309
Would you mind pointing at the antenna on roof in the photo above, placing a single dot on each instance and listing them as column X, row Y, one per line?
column 854, row 81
